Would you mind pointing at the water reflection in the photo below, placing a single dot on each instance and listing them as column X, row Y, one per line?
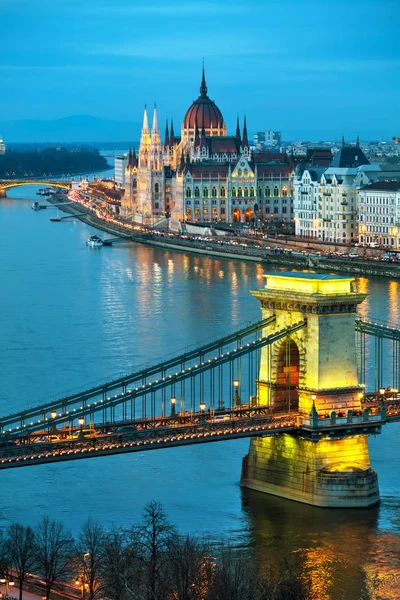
column 343, row 551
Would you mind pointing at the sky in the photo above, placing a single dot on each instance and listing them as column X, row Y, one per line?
column 313, row 69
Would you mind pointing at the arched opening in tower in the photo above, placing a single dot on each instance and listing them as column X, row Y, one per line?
column 237, row 215
column 286, row 394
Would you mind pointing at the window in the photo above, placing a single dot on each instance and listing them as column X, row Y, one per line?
column 246, row 192
column 156, row 187
column 188, row 192
column 197, row 192
column 188, row 211
column 276, row 191
column 214, row 192
column 205, row 192
column 234, row 192
column 252, row 192
column 284, row 191
column 156, row 205
column 267, row 192
column 214, row 211
column 222, row 192
column 205, row 211
column 240, row 194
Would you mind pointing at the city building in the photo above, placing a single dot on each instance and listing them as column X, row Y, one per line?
column 379, row 214
column 267, row 139
column 2, row 147
column 205, row 174
column 325, row 200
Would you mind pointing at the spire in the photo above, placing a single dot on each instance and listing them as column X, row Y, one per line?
column 203, row 141
column 155, row 120
column 130, row 157
column 237, row 128
column 342, row 141
column 203, row 87
column 145, row 126
column 187, row 158
column 358, row 142
column 166, row 139
column 134, row 158
column 245, row 141
column 171, row 135
column 196, row 134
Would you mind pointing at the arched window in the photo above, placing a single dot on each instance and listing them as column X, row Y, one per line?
column 222, row 192
column 267, row 192
column 251, row 192
column 284, row 191
column 234, row 192
column 246, row 173
column 260, row 192
column 276, row 191
column 197, row 192
column 188, row 192
column 214, row 192
column 240, row 194
column 291, row 192
column 205, row 192
column 246, row 192
column 156, row 187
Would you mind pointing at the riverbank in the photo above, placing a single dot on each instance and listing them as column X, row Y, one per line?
column 352, row 267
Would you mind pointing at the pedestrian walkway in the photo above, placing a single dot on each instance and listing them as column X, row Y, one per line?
column 13, row 592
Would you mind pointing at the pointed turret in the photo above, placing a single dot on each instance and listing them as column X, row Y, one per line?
column 134, row 158
column 203, row 140
column 130, row 157
column 237, row 128
column 166, row 138
column 171, row 135
column 155, row 132
column 196, row 135
column 203, row 86
column 358, row 142
column 182, row 163
column 145, row 126
column 245, row 140
column 145, row 140
column 342, row 141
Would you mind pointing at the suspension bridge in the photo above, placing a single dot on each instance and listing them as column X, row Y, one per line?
column 258, row 382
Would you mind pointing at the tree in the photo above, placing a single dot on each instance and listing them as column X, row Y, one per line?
column 115, row 567
column 90, row 549
column 150, row 541
column 21, row 547
column 189, row 570
column 54, row 551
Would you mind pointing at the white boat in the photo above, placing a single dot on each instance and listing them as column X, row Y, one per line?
column 95, row 241
column 36, row 206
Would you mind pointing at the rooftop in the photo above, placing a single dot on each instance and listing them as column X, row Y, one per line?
column 309, row 283
column 383, row 186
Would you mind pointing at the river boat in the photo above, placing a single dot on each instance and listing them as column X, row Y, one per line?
column 95, row 241
column 35, row 206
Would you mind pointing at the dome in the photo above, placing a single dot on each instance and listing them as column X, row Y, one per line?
column 204, row 111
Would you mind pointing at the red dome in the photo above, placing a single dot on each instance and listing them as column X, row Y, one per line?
column 204, row 110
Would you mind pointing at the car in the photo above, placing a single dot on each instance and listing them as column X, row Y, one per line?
column 87, row 433
column 354, row 255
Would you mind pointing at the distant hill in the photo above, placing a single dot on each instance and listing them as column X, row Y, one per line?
column 78, row 128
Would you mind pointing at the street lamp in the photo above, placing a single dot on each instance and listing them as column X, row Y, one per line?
column 80, row 582
column 81, row 422
column 202, row 410
column 236, row 397
column 173, row 404
column 53, row 416
column 8, row 582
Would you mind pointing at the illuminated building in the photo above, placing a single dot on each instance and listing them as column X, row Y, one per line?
column 379, row 214
column 204, row 174
column 2, row 147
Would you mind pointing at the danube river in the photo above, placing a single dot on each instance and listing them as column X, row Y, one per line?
column 71, row 315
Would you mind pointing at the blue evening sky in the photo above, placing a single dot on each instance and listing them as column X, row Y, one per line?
column 310, row 68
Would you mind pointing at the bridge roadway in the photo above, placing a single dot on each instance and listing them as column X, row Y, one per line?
column 180, row 430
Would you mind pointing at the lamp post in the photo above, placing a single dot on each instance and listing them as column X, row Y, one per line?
column 173, row 406
column 80, row 582
column 236, row 398
column 53, row 416
column 202, row 411
column 8, row 583
column 81, row 422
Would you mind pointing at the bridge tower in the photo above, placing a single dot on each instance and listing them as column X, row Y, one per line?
column 312, row 372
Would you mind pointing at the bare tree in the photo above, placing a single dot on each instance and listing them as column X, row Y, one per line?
column 189, row 570
column 21, row 547
column 115, row 568
column 54, row 551
column 149, row 542
column 90, row 554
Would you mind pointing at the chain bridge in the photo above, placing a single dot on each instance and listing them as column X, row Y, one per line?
column 275, row 379
column 6, row 184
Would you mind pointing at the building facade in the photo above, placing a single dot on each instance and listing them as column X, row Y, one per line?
column 204, row 174
column 379, row 214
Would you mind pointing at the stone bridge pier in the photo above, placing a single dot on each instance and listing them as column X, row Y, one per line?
column 311, row 371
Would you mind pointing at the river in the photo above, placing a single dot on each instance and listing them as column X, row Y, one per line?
column 72, row 315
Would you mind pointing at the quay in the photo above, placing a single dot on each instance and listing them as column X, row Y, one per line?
column 178, row 243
